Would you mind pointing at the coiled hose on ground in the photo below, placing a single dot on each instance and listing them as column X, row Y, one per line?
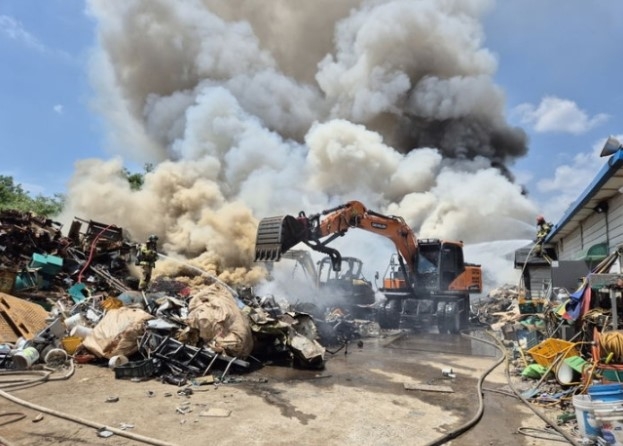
column 41, row 376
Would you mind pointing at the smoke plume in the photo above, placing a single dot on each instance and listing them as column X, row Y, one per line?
column 250, row 109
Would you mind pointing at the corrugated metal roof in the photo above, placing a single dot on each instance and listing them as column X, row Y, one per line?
column 604, row 186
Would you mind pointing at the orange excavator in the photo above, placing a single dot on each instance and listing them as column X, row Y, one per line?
column 426, row 278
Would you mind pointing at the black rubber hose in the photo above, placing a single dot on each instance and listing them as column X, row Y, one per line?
column 465, row 427
column 481, row 406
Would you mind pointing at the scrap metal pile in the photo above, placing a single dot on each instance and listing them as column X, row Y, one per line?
column 75, row 296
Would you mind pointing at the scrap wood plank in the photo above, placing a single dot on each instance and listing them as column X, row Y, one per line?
column 428, row 387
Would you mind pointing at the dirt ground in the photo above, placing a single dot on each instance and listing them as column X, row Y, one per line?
column 360, row 398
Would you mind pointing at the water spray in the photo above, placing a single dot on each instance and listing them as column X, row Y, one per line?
column 203, row 273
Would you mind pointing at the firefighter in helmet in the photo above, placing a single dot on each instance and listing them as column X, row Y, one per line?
column 542, row 229
column 146, row 257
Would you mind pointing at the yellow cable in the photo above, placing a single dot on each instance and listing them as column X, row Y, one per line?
column 611, row 343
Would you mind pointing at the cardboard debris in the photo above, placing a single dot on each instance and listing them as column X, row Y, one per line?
column 203, row 380
column 7, row 280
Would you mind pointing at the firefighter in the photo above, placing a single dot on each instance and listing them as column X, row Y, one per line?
column 146, row 257
column 542, row 229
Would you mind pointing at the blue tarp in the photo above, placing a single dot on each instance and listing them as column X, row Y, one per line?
column 573, row 308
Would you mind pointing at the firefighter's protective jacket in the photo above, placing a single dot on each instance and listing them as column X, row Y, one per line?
column 146, row 255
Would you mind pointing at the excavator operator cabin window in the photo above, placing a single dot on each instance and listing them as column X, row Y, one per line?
column 452, row 259
column 427, row 262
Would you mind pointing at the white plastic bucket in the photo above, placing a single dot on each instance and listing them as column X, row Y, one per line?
column 81, row 331
column 74, row 320
column 587, row 424
column 117, row 361
column 611, row 424
column 55, row 357
column 24, row 359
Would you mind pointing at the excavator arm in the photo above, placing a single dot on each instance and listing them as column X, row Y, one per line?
column 276, row 235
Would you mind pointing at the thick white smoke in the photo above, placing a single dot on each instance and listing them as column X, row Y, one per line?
column 251, row 109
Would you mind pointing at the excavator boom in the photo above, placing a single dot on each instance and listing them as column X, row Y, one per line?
column 276, row 235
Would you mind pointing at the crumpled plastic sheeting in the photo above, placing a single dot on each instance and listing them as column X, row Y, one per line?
column 117, row 332
column 221, row 323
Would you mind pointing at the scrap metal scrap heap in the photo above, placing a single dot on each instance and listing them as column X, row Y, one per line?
column 76, row 297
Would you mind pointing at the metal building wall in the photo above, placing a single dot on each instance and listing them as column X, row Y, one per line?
column 569, row 246
column 593, row 231
column 615, row 221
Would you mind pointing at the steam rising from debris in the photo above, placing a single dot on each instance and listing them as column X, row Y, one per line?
column 250, row 109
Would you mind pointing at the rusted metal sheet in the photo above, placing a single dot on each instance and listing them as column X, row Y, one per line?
column 20, row 318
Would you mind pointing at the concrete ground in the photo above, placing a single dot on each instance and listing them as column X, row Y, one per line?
column 360, row 398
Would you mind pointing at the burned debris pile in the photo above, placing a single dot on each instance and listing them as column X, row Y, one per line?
column 77, row 296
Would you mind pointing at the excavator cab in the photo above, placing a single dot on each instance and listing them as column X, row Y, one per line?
column 441, row 267
column 436, row 292
column 348, row 284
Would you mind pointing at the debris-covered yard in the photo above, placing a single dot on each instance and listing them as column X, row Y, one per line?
column 188, row 358
column 78, row 294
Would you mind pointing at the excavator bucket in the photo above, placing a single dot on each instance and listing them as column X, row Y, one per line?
column 276, row 235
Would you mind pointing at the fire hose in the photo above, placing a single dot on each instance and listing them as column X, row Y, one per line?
column 42, row 376
column 472, row 422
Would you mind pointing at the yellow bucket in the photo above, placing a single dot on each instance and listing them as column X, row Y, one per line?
column 111, row 303
column 71, row 344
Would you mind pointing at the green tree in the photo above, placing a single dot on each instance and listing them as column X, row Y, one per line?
column 137, row 180
column 13, row 196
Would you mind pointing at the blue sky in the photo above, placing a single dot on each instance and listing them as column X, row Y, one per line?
column 45, row 122
column 559, row 64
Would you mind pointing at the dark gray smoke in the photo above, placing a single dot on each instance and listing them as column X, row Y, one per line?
column 249, row 109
